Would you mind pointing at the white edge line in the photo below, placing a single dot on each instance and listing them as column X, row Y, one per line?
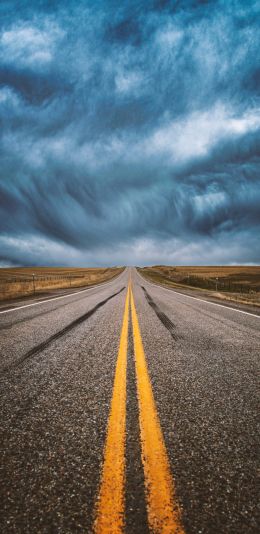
column 57, row 298
column 197, row 298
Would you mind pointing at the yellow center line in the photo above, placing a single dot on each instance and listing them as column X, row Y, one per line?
column 111, row 500
column 162, row 508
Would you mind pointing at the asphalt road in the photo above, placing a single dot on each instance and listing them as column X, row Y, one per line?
column 198, row 398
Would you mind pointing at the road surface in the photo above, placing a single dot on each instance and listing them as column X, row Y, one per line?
column 128, row 407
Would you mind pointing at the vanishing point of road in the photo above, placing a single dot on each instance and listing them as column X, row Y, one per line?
column 128, row 407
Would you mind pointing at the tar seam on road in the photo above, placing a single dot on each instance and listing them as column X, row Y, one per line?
column 135, row 506
column 165, row 320
column 163, row 511
column 111, row 500
column 68, row 328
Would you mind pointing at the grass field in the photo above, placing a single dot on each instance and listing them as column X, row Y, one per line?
column 23, row 281
column 240, row 283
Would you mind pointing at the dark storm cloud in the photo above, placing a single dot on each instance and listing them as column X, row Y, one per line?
column 130, row 132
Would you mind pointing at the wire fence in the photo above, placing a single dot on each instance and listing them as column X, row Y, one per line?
column 29, row 284
column 215, row 284
column 40, row 278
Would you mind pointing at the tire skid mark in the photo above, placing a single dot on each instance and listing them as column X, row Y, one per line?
column 39, row 348
column 214, row 317
column 31, row 318
column 60, row 304
column 165, row 320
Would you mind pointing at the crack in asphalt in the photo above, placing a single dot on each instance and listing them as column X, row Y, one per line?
column 39, row 348
column 165, row 320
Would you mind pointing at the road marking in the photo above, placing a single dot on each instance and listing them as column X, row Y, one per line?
column 197, row 298
column 56, row 298
column 111, row 500
column 163, row 510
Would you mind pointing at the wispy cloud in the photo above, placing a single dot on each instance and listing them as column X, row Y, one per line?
column 195, row 136
column 27, row 45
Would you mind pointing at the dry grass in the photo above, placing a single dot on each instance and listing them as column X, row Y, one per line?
column 237, row 283
column 23, row 281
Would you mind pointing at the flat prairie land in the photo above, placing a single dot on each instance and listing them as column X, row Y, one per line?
column 239, row 283
column 23, row 281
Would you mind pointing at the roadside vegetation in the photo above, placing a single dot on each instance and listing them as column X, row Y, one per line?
column 23, row 281
column 237, row 283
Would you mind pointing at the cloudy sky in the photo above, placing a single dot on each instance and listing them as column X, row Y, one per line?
column 129, row 132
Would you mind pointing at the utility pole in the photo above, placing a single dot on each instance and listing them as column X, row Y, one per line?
column 216, row 283
column 33, row 275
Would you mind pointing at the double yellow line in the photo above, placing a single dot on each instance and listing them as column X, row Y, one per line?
column 162, row 509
